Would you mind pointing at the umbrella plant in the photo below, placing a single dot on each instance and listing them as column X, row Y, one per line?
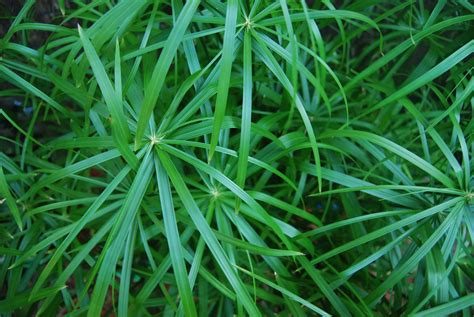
column 248, row 158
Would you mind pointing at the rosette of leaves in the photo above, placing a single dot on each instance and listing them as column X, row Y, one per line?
column 238, row 158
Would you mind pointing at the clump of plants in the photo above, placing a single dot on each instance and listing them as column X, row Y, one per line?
column 248, row 158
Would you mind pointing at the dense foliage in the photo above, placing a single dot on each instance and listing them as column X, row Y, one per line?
column 285, row 158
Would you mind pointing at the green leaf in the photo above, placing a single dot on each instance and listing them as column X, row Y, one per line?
column 23, row 84
column 265, row 55
column 76, row 228
column 225, row 72
column 126, row 273
column 427, row 77
column 11, row 203
column 153, row 88
column 113, row 100
column 399, row 49
column 12, row 303
column 286, row 292
column 244, row 147
column 413, row 261
column 397, row 150
column 120, row 231
column 206, row 232
column 174, row 243
column 449, row 308
column 70, row 170
column 387, row 229
column 263, row 215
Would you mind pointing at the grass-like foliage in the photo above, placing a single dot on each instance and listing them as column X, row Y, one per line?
column 248, row 158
